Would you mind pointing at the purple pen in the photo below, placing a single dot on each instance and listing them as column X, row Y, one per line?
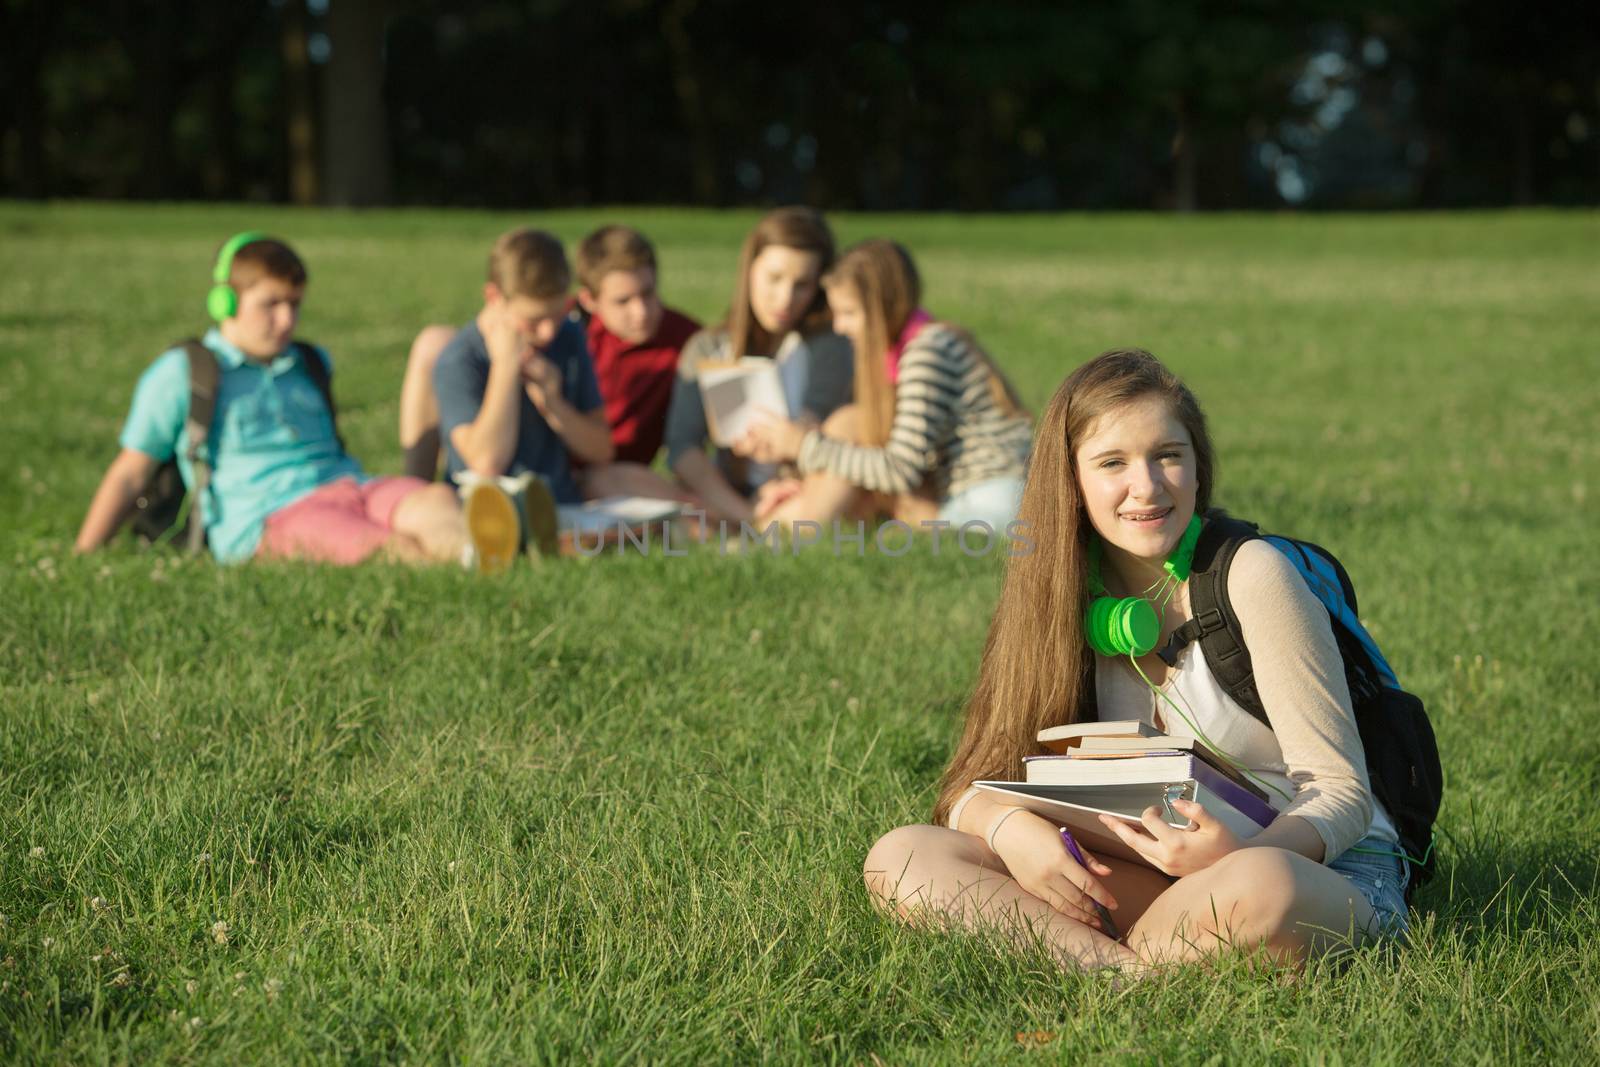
column 1100, row 909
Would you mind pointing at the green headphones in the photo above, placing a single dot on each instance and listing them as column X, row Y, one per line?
column 1128, row 626
column 221, row 301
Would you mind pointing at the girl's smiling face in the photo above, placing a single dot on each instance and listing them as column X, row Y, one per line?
column 1137, row 470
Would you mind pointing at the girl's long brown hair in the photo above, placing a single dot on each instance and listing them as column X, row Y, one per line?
column 795, row 227
column 886, row 282
column 1037, row 669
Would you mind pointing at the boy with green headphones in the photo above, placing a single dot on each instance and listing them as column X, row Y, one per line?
column 266, row 463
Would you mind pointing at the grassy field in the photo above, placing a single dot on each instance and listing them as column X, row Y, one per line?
column 616, row 810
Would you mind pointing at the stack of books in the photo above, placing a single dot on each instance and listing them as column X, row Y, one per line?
column 1121, row 769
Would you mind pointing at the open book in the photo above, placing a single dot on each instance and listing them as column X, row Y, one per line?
column 737, row 392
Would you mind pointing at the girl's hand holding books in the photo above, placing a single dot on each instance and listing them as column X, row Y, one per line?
column 1031, row 849
column 1174, row 851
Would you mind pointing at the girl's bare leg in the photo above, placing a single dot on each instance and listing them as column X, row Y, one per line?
column 419, row 408
column 914, row 510
column 821, row 499
column 1267, row 900
column 929, row 872
column 824, row 497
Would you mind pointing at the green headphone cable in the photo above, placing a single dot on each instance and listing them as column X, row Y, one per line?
column 1400, row 852
column 1199, row 733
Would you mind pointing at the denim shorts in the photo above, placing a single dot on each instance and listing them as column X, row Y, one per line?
column 1381, row 879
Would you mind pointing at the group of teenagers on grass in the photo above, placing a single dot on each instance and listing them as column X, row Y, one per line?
column 543, row 399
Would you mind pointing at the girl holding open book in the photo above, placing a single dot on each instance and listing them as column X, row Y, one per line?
column 778, row 312
column 935, row 431
column 1122, row 464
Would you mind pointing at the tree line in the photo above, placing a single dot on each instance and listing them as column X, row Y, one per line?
column 881, row 105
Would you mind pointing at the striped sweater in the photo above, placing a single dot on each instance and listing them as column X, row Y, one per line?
column 946, row 425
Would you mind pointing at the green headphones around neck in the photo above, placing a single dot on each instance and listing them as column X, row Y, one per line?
column 221, row 301
column 1128, row 626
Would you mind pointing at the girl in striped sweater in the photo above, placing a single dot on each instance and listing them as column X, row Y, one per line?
column 935, row 430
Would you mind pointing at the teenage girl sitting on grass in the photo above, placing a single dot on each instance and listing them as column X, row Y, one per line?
column 778, row 311
column 935, row 431
column 1123, row 458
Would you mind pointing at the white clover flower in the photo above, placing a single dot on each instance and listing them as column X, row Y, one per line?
column 219, row 932
column 36, row 852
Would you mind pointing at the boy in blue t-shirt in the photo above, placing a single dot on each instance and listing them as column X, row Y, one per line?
column 516, row 388
column 280, row 482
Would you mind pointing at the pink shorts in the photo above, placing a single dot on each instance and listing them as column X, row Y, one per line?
column 342, row 522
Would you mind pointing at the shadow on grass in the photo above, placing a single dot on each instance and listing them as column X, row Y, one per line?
column 1495, row 888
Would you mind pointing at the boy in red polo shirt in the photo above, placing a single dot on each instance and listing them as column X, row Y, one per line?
column 634, row 342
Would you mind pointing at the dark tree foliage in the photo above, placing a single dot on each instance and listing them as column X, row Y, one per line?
column 887, row 104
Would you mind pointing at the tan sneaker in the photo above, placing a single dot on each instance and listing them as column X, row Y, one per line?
column 540, row 520
column 492, row 525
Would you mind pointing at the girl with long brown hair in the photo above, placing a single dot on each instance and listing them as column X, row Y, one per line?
column 778, row 311
column 935, row 430
column 1123, row 461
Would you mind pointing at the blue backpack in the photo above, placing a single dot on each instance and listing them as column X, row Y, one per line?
column 1402, row 755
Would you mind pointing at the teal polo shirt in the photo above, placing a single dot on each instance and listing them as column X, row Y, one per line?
column 271, row 438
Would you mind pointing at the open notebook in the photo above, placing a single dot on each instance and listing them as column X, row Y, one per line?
column 608, row 514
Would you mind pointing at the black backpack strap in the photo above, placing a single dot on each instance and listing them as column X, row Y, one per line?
column 1213, row 622
column 205, row 375
column 317, row 368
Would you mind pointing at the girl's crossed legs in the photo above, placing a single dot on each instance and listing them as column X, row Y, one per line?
column 1265, row 900
column 823, row 497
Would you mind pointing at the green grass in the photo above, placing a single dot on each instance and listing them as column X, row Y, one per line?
column 617, row 810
